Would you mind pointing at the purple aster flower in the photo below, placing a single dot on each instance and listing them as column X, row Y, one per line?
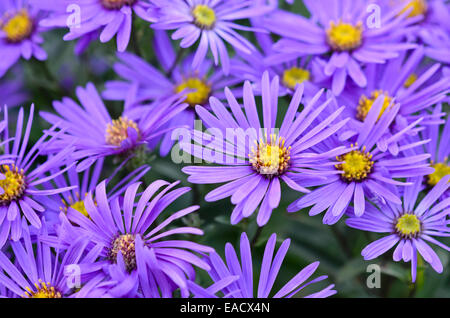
column 96, row 135
column 118, row 283
column 365, row 169
column 439, row 148
column 126, row 226
column 39, row 272
column 21, row 183
column 234, row 279
column 415, row 88
column 145, row 82
column 438, row 44
column 19, row 33
column 98, row 18
column 253, row 159
column 433, row 26
column 211, row 22
column 410, row 227
column 82, row 183
column 292, row 72
column 337, row 31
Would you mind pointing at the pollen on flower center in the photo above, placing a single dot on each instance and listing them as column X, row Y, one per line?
column 117, row 131
column 125, row 244
column 77, row 204
column 365, row 104
column 200, row 91
column 419, row 7
column 204, row 16
column 116, row 4
column 294, row 76
column 410, row 80
column 43, row 290
column 13, row 184
column 270, row 157
column 344, row 36
column 356, row 165
column 408, row 225
column 18, row 27
column 441, row 169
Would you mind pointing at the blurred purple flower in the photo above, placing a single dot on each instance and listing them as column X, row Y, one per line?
column 439, row 149
column 415, row 87
column 12, row 92
column 211, row 21
column 144, row 82
column 19, row 33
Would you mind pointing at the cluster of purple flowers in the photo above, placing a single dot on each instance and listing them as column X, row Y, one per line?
column 348, row 108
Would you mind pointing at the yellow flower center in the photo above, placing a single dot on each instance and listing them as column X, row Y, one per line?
column 410, row 80
column 294, row 76
column 344, row 36
column 43, row 290
column 79, row 206
column 204, row 16
column 441, row 169
column 125, row 244
column 270, row 157
column 365, row 104
column 408, row 225
column 356, row 165
column 18, row 27
column 116, row 4
column 419, row 7
column 200, row 91
column 117, row 131
column 13, row 184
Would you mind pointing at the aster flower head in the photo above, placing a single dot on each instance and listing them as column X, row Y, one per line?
column 39, row 270
column 81, row 183
column 433, row 24
column 20, row 182
column 337, row 32
column 364, row 169
column 19, row 33
column 144, row 82
column 211, row 22
column 101, row 19
column 125, row 230
column 291, row 72
column 234, row 278
column 118, row 283
column 415, row 87
column 253, row 159
column 410, row 226
column 96, row 135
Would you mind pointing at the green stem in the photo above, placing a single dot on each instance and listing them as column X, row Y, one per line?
column 178, row 58
column 256, row 237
